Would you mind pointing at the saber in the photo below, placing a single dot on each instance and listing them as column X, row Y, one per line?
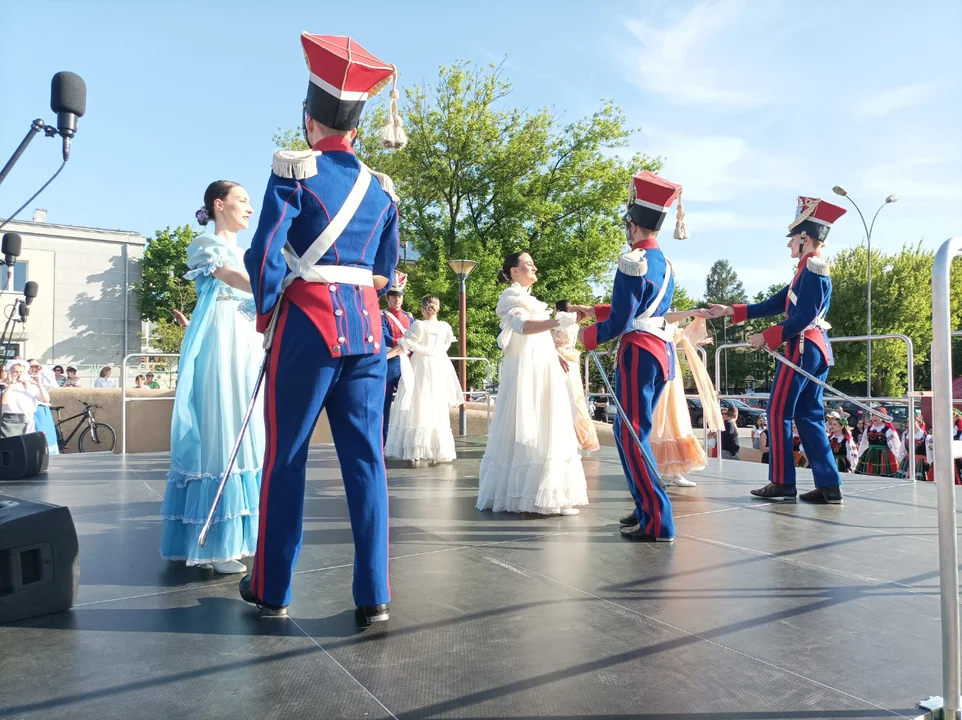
column 824, row 385
column 233, row 453
column 621, row 411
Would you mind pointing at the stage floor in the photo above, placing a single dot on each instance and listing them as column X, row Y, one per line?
column 756, row 611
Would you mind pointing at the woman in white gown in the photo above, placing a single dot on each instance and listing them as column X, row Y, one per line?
column 420, row 426
column 532, row 463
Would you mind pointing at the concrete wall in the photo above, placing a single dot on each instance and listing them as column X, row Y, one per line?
column 84, row 303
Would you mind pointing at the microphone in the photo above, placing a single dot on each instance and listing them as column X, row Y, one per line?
column 11, row 246
column 29, row 291
column 68, row 98
column 24, row 311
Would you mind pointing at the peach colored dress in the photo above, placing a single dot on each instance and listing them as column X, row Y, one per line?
column 673, row 443
column 565, row 338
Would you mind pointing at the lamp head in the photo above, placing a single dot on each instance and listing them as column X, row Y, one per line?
column 462, row 268
column 892, row 198
column 839, row 190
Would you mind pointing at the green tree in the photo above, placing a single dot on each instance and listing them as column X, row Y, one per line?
column 480, row 179
column 901, row 303
column 162, row 287
column 682, row 300
column 723, row 286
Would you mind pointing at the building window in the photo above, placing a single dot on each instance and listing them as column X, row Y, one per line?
column 9, row 351
column 19, row 277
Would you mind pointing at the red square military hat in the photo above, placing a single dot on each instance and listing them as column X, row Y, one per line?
column 814, row 217
column 649, row 198
column 343, row 76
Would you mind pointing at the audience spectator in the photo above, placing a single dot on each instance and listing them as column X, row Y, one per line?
column 139, row 382
column 71, row 380
column 20, row 399
column 151, row 383
column 105, row 381
column 730, row 435
column 58, row 375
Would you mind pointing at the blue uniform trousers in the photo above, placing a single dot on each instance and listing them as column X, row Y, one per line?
column 797, row 398
column 303, row 378
column 639, row 383
column 393, row 379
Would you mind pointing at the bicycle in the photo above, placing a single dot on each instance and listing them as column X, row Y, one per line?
column 95, row 436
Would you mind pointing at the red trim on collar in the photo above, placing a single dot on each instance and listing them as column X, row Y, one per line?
column 334, row 143
column 649, row 244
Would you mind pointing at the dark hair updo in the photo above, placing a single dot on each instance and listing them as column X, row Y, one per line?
column 217, row 190
column 512, row 261
column 562, row 305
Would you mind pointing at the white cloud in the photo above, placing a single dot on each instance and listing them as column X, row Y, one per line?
column 885, row 102
column 695, row 58
column 716, row 168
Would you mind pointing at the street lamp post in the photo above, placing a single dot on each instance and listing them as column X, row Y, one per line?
column 839, row 190
column 463, row 268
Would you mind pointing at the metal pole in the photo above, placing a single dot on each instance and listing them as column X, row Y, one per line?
column 944, row 466
column 463, row 345
column 868, row 355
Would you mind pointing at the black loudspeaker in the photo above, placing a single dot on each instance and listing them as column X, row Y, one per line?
column 23, row 456
column 39, row 559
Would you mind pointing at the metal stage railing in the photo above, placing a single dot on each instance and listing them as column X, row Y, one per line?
column 462, row 416
column 909, row 397
column 124, row 399
column 945, row 454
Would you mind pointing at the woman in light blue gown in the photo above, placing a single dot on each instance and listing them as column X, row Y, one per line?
column 219, row 360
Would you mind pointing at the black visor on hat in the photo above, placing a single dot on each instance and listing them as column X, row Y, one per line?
column 399, row 293
column 812, row 229
column 334, row 112
column 646, row 218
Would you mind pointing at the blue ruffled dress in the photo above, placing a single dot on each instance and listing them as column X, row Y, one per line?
column 219, row 360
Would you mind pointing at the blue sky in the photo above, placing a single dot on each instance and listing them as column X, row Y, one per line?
column 750, row 102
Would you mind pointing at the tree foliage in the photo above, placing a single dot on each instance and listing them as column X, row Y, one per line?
column 901, row 304
column 481, row 178
column 162, row 287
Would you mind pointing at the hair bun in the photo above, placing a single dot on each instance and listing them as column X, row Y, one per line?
column 503, row 276
column 203, row 217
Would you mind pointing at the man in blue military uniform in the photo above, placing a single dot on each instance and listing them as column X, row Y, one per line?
column 805, row 303
column 326, row 245
column 642, row 294
column 395, row 321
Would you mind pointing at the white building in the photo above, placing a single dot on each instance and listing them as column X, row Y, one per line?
column 85, row 313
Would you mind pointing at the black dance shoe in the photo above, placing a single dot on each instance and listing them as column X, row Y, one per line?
column 628, row 520
column 369, row 614
column 774, row 491
column 637, row 533
column 824, row 496
column 267, row 610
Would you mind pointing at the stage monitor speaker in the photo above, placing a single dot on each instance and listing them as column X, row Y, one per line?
column 39, row 559
column 23, row 456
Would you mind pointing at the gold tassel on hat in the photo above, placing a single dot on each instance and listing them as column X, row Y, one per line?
column 392, row 135
column 681, row 232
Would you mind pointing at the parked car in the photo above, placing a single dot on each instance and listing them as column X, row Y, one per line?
column 696, row 412
column 747, row 415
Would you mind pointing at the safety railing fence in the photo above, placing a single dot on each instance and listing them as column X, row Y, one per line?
column 945, row 454
column 124, row 399
column 605, row 394
column 462, row 414
column 909, row 397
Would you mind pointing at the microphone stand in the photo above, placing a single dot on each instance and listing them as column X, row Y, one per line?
column 35, row 128
column 7, row 335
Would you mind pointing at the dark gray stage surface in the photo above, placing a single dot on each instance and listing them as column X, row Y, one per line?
column 757, row 611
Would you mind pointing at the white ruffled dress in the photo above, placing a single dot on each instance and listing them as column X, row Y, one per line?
column 420, row 427
column 531, row 463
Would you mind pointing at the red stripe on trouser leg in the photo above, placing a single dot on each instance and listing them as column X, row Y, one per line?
column 640, row 476
column 270, row 452
column 777, row 420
